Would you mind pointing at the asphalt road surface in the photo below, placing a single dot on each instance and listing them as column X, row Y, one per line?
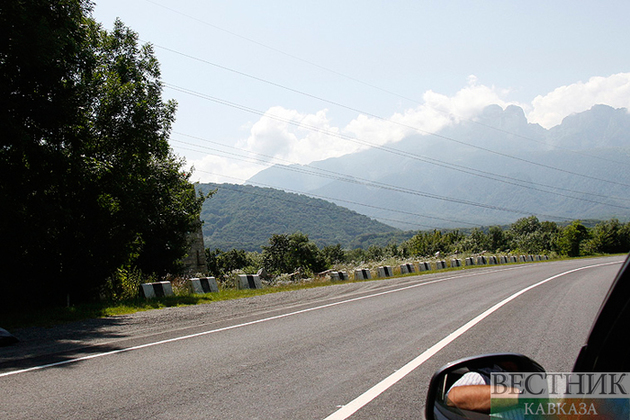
column 362, row 350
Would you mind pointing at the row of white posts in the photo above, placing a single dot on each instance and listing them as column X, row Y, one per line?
column 252, row 281
column 197, row 285
column 388, row 271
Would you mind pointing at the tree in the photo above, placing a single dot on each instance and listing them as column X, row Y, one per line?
column 480, row 239
column 610, row 237
column 525, row 226
column 222, row 263
column 529, row 235
column 288, row 253
column 276, row 255
column 428, row 243
column 571, row 238
column 93, row 183
column 498, row 241
column 333, row 254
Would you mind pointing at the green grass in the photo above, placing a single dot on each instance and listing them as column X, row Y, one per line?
column 48, row 317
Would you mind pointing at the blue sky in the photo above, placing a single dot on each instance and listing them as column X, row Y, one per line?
column 278, row 76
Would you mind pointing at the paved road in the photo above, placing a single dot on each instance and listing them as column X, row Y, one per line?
column 302, row 355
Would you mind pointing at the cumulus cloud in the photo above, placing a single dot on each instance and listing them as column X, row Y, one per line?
column 550, row 109
column 281, row 136
column 290, row 136
column 436, row 112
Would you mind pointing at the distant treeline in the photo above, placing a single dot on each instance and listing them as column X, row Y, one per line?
column 296, row 252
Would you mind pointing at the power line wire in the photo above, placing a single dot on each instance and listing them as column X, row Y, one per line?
column 328, row 199
column 321, row 196
column 460, row 168
column 407, row 126
column 346, row 76
column 365, row 182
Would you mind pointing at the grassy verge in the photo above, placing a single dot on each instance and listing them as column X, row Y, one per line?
column 54, row 316
column 48, row 317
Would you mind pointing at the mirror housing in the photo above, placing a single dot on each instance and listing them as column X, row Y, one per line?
column 436, row 407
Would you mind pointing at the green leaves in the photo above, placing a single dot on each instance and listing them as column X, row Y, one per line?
column 92, row 183
column 288, row 253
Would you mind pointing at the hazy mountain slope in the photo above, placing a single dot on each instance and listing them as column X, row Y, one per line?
column 595, row 143
column 245, row 217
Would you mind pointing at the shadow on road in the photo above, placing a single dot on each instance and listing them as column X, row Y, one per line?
column 46, row 345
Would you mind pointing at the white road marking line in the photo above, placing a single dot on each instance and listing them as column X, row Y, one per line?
column 363, row 399
column 185, row 337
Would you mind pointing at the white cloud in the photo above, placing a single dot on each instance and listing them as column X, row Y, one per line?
column 288, row 136
column 219, row 169
column 281, row 136
column 291, row 136
column 550, row 109
column 435, row 113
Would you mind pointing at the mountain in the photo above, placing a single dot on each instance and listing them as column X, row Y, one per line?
column 493, row 170
column 245, row 217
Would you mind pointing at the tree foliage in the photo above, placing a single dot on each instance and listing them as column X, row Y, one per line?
column 93, row 183
column 221, row 264
column 571, row 238
column 610, row 237
column 245, row 216
column 288, row 253
column 528, row 235
column 428, row 243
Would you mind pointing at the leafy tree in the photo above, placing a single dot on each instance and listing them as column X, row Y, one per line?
column 397, row 251
column 288, row 253
column 333, row 254
column 276, row 255
column 428, row 243
column 571, row 239
column 305, row 254
column 375, row 253
column 222, row 263
column 525, row 226
column 480, row 239
column 356, row 255
column 497, row 239
column 610, row 237
column 93, row 183
column 425, row 243
column 527, row 235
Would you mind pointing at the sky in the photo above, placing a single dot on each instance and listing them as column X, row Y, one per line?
column 265, row 82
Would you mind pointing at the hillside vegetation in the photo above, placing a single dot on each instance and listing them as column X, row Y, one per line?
column 493, row 170
column 245, row 217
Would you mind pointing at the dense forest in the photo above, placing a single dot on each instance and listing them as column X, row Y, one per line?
column 245, row 217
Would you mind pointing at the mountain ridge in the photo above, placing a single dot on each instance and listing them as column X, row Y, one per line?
column 245, row 217
column 507, row 167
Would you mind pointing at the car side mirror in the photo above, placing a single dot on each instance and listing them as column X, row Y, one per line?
column 477, row 370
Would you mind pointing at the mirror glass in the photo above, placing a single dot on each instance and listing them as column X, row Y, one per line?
column 461, row 390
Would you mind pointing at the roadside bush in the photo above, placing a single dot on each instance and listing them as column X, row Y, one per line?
column 333, row 254
column 571, row 238
column 221, row 264
column 288, row 253
column 124, row 284
column 610, row 237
